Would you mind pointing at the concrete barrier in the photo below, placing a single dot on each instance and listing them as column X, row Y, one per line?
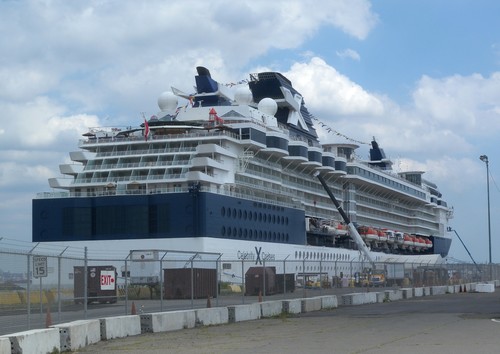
column 393, row 295
column 485, row 288
column 167, row 321
column 407, row 293
column 427, row 291
column 292, row 306
column 5, row 345
column 328, row 302
column 450, row 289
column 359, row 299
column 418, row 292
column 78, row 334
column 36, row 341
column 212, row 316
column 438, row 290
column 240, row 313
column 120, row 326
column 271, row 308
column 311, row 304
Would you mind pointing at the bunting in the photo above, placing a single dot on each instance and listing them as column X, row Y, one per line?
column 333, row 131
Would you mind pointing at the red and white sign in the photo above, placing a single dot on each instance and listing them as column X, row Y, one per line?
column 108, row 281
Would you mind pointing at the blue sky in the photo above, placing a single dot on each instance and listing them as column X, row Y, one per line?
column 421, row 76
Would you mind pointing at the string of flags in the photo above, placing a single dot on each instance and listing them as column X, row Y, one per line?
column 333, row 131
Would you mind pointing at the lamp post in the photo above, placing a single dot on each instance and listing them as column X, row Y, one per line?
column 484, row 158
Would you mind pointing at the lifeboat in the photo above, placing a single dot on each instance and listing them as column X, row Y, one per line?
column 408, row 241
column 428, row 243
column 341, row 229
column 368, row 233
column 382, row 236
column 419, row 243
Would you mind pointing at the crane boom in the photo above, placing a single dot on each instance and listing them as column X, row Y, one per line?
column 352, row 229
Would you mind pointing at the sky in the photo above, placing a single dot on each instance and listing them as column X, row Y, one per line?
column 422, row 76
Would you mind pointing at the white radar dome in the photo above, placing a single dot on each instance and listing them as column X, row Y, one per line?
column 167, row 101
column 268, row 105
column 243, row 95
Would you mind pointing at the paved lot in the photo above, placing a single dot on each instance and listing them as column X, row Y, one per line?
column 452, row 323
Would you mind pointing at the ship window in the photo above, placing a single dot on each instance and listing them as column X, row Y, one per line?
column 245, row 215
column 274, row 236
column 287, row 237
column 223, row 211
column 240, row 232
column 274, row 219
column 245, row 233
column 234, row 213
column 234, row 231
column 255, row 215
column 229, row 231
column 295, row 254
column 260, row 216
column 239, row 213
column 223, row 231
column 264, row 217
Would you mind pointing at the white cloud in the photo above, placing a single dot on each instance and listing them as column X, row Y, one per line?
column 349, row 53
column 325, row 89
column 470, row 104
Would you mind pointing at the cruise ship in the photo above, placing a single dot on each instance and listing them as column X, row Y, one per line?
column 232, row 169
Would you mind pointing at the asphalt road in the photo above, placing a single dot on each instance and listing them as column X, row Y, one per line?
column 451, row 323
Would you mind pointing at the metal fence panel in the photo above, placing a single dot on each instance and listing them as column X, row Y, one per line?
column 39, row 289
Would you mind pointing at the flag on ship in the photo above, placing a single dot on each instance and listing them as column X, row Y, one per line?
column 146, row 129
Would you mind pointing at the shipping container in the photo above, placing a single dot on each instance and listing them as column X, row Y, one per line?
column 178, row 283
column 101, row 284
column 254, row 281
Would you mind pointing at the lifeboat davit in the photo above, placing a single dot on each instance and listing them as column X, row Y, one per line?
column 399, row 238
column 391, row 238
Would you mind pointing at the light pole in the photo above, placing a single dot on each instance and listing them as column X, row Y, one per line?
column 484, row 158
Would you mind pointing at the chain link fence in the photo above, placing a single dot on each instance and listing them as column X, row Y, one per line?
column 38, row 290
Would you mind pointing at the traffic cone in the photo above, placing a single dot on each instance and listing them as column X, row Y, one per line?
column 260, row 296
column 133, row 311
column 48, row 318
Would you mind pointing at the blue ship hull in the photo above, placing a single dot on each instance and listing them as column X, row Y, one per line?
column 173, row 215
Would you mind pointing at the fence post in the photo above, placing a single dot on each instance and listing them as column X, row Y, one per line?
column 192, row 283
column 243, row 280
column 126, row 284
column 264, row 278
column 161, row 282
column 28, row 290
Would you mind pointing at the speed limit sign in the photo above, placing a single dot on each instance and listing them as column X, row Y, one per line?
column 39, row 266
